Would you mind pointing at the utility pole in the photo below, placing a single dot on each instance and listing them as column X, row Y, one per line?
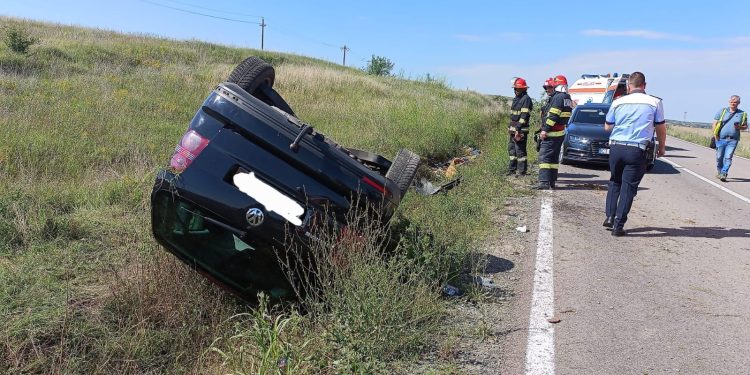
column 684, row 116
column 344, row 48
column 262, row 31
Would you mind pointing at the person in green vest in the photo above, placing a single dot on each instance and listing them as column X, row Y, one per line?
column 727, row 125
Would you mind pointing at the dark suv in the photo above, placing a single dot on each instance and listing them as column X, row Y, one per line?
column 248, row 175
column 586, row 141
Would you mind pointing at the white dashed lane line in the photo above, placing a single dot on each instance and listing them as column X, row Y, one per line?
column 540, row 350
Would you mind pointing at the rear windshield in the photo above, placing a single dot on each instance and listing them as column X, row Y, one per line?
column 189, row 233
column 590, row 115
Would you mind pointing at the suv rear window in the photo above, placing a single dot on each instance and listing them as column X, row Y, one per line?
column 193, row 236
column 590, row 115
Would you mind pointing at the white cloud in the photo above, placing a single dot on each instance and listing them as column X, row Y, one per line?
column 643, row 34
column 696, row 82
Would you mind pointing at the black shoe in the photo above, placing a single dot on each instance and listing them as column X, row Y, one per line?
column 609, row 222
column 510, row 173
column 618, row 232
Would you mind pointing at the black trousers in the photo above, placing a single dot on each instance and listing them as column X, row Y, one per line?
column 549, row 160
column 627, row 165
column 517, row 154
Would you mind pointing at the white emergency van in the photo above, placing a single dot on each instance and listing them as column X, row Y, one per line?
column 598, row 88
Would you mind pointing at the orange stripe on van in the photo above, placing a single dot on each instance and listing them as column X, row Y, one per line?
column 593, row 89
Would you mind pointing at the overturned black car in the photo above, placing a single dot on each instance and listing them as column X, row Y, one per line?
column 248, row 174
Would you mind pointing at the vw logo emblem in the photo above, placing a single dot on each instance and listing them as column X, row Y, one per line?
column 254, row 216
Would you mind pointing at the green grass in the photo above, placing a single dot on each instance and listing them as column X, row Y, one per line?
column 87, row 117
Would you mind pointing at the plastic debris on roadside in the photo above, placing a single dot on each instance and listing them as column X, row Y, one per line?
column 522, row 229
column 448, row 170
column 451, row 291
column 425, row 187
column 484, row 281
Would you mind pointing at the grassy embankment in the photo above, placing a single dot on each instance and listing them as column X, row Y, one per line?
column 88, row 116
column 702, row 136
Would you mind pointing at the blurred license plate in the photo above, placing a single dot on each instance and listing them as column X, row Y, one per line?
column 604, row 151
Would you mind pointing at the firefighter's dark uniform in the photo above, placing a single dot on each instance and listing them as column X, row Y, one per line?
column 520, row 111
column 542, row 115
column 554, row 124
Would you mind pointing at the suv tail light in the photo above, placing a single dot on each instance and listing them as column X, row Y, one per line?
column 382, row 189
column 187, row 150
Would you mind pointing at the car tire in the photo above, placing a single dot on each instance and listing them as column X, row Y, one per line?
column 403, row 169
column 251, row 73
column 563, row 161
column 257, row 77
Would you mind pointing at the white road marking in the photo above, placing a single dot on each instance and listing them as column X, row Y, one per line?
column 540, row 350
column 738, row 195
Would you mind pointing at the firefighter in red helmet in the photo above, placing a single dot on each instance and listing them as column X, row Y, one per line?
column 553, row 132
column 518, row 130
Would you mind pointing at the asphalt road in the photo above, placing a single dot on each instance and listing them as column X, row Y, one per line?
column 672, row 296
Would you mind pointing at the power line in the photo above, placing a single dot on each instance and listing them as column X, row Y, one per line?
column 262, row 23
column 200, row 14
column 213, row 10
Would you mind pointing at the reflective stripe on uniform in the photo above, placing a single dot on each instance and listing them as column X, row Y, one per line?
column 718, row 124
column 522, row 158
column 524, row 110
column 556, row 134
column 555, row 111
column 522, row 121
column 511, row 157
column 550, row 122
column 548, row 166
column 513, row 112
column 565, row 114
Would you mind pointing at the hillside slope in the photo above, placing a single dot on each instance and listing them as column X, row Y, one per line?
column 88, row 116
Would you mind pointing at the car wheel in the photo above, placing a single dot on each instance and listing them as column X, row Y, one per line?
column 251, row 73
column 563, row 161
column 257, row 77
column 403, row 169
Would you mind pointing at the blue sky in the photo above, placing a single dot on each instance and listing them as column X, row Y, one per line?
column 694, row 56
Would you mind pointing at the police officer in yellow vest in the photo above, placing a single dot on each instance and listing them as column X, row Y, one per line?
column 518, row 130
column 553, row 131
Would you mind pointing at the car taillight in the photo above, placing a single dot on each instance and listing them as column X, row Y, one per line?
column 382, row 189
column 187, row 150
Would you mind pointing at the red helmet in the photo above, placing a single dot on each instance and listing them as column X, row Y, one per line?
column 520, row 83
column 560, row 80
column 549, row 83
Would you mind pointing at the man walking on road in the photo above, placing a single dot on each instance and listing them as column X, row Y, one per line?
column 632, row 119
column 553, row 132
column 727, row 125
column 518, row 130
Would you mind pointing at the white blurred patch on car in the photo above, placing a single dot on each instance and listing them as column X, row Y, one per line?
column 269, row 197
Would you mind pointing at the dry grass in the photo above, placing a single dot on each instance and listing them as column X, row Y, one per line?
column 88, row 116
column 702, row 136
